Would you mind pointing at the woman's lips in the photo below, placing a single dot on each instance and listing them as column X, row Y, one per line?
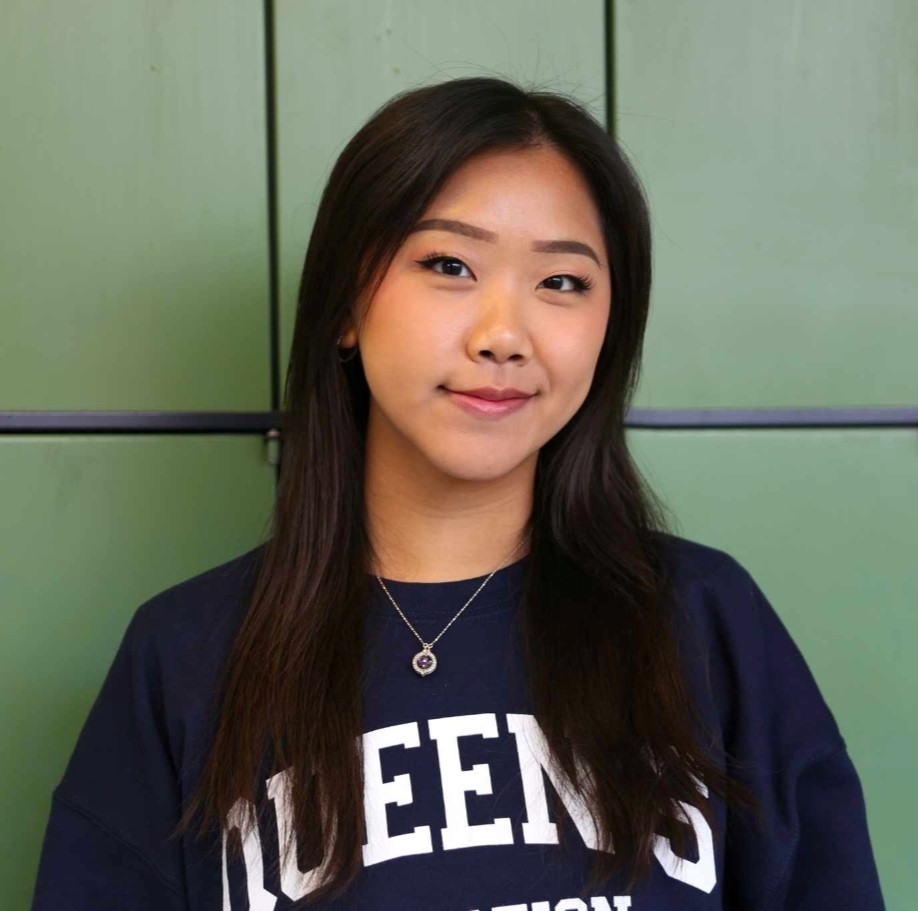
column 484, row 407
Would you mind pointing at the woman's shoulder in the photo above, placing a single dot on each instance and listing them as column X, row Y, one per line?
column 740, row 654
column 152, row 711
column 195, row 619
column 717, row 600
column 692, row 560
column 712, row 579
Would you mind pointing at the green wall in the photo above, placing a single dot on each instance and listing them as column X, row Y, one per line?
column 777, row 144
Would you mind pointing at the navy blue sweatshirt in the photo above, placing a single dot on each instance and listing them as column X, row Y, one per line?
column 456, row 775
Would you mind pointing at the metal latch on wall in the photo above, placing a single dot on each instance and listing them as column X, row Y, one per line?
column 273, row 447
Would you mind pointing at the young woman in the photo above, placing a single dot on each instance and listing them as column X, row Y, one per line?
column 470, row 668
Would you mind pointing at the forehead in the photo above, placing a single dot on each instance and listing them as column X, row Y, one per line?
column 511, row 177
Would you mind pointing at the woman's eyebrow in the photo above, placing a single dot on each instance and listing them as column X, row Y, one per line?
column 539, row 246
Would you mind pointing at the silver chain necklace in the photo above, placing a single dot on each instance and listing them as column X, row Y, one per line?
column 425, row 661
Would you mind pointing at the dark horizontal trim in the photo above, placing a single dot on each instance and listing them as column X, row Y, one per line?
column 138, row 421
column 203, row 422
column 771, row 418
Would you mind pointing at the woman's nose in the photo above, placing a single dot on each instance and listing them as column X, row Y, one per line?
column 501, row 330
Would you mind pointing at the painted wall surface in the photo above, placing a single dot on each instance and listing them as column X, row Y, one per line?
column 133, row 254
column 778, row 145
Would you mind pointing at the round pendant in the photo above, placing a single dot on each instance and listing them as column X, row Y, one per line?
column 424, row 662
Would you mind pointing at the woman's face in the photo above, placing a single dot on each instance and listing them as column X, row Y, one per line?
column 487, row 305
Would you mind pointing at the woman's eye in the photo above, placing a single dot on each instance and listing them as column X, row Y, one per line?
column 580, row 283
column 451, row 265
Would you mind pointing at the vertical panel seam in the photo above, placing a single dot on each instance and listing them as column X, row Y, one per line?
column 609, row 32
column 272, row 216
column 272, row 205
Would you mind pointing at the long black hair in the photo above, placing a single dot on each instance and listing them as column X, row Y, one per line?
column 618, row 720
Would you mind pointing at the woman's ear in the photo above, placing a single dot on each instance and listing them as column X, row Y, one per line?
column 348, row 338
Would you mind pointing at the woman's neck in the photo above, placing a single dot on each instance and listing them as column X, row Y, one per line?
column 427, row 527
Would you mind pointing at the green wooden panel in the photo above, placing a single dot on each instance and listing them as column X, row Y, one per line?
column 90, row 528
column 133, row 260
column 337, row 62
column 826, row 522
column 778, row 144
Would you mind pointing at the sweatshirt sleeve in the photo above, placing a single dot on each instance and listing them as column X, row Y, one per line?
column 812, row 850
column 84, row 865
column 829, row 860
column 106, row 843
